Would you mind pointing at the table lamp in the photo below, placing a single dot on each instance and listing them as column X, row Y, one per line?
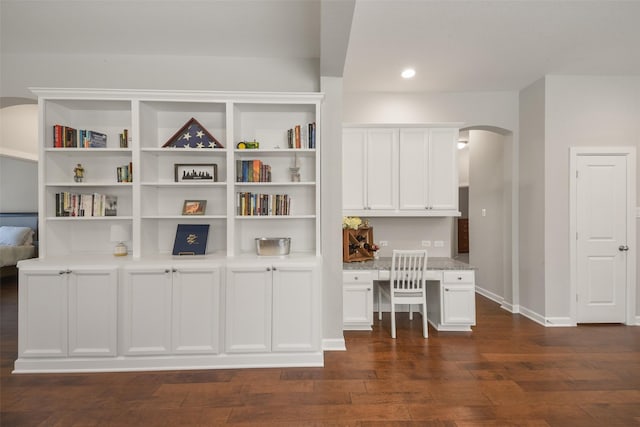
column 120, row 233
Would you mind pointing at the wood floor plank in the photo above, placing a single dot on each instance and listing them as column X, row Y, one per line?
column 509, row 371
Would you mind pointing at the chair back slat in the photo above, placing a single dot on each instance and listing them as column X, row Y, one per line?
column 408, row 270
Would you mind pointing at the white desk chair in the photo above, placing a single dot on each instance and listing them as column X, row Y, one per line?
column 406, row 285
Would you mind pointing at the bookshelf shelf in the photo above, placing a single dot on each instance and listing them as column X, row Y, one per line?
column 152, row 203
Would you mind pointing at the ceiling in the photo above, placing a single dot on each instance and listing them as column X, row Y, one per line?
column 488, row 45
column 454, row 45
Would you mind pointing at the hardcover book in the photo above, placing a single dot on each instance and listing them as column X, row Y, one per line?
column 191, row 239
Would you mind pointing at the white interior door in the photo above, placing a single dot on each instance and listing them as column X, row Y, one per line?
column 601, row 225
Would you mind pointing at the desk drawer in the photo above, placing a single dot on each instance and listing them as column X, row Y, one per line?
column 357, row 277
column 466, row 276
column 431, row 275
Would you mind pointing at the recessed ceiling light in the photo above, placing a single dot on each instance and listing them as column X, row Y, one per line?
column 408, row 73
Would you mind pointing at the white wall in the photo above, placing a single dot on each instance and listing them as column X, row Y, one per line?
column 156, row 72
column 487, row 193
column 18, row 185
column 531, row 200
column 408, row 233
column 581, row 111
column 19, row 131
column 331, row 212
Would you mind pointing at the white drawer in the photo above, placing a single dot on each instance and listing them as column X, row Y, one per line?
column 357, row 276
column 466, row 276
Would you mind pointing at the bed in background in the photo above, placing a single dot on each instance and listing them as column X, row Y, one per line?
column 18, row 238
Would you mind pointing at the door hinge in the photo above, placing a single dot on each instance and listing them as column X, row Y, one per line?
column 576, row 235
column 577, row 298
column 576, row 174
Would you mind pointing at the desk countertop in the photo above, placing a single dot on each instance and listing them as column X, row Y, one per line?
column 384, row 263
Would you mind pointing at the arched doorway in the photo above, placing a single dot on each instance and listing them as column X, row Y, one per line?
column 486, row 165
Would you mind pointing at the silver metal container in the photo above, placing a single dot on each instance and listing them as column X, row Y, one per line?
column 273, row 246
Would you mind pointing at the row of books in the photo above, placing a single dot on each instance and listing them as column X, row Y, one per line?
column 302, row 136
column 95, row 204
column 68, row 137
column 252, row 171
column 252, row 204
column 125, row 173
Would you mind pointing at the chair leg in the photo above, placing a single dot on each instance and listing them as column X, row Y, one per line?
column 410, row 313
column 425, row 328
column 393, row 320
column 379, row 302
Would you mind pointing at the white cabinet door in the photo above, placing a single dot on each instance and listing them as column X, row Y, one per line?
column 458, row 298
column 353, row 169
column 369, row 169
column 196, row 310
column 357, row 300
column 93, row 311
column 443, row 169
column 382, row 169
column 428, row 169
column 146, row 311
column 357, row 307
column 42, row 313
column 414, row 169
column 295, row 317
column 459, row 304
column 248, row 309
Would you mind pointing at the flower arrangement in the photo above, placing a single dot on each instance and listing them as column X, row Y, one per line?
column 352, row 222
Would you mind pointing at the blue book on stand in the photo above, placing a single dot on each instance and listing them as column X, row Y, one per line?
column 191, row 239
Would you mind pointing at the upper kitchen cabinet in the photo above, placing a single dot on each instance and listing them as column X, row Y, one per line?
column 400, row 171
column 370, row 171
column 429, row 171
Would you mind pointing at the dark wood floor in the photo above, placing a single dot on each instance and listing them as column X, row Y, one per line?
column 508, row 371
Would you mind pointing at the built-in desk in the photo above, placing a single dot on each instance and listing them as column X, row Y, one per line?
column 450, row 293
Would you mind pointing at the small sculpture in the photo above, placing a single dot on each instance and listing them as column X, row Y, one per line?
column 78, row 173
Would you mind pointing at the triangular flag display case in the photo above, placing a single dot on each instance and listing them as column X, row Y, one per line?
column 192, row 135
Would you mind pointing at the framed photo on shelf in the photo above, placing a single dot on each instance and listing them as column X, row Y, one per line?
column 196, row 172
column 194, row 207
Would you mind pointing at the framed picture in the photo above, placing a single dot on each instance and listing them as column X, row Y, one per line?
column 196, row 172
column 194, row 207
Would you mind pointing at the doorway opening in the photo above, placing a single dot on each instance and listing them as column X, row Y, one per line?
column 483, row 233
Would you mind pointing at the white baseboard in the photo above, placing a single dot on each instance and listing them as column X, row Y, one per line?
column 333, row 344
column 488, row 294
column 559, row 322
column 532, row 315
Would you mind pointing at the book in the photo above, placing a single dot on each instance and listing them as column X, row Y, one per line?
column 191, row 239
column 97, row 139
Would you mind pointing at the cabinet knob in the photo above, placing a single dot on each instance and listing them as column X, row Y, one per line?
column 274, row 269
column 68, row 272
column 174, row 270
column 61, row 272
column 268, row 268
column 459, row 278
column 368, row 289
column 355, row 278
column 167, row 271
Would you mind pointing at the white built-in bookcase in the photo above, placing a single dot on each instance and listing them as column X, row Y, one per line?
column 151, row 205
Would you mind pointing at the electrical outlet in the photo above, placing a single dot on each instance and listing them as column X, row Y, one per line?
column 384, row 243
column 426, row 243
column 438, row 243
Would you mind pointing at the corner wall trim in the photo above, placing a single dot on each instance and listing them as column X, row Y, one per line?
column 334, row 344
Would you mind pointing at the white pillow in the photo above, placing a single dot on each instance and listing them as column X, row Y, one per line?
column 15, row 236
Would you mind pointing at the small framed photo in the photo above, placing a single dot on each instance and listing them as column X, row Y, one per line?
column 194, row 207
column 196, row 172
